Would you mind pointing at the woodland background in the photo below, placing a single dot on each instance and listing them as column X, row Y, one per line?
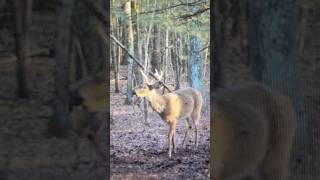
column 172, row 37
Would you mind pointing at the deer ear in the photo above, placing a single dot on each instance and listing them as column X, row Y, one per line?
column 150, row 86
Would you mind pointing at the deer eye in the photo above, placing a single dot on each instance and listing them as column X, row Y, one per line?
column 150, row 87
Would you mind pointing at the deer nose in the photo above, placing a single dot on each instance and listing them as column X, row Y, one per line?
column 134, row 93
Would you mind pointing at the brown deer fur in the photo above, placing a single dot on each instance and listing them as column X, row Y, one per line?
column 252, row 134
column 184, row 103
column 89, row 98
column 93, row 93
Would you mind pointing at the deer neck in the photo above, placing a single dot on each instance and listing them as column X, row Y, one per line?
column 157, row 102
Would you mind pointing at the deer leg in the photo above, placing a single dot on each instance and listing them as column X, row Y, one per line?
column 174, row 144
column 170, row 136
column 189, row 127
column 75, row 140
column 196, row 117
column 197, row 135
column 94, row 136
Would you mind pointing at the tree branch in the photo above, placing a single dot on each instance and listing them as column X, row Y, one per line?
column 173, row 6
column 188, row 16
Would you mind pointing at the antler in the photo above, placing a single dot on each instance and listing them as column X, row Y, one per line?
column 145, row 76
column 159, row 76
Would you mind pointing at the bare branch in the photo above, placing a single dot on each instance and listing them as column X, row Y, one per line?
column 198, row 12
column 173, row 6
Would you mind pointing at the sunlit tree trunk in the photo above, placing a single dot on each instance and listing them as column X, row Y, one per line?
column 130, row 45
column 195, row 59
column 137, row 52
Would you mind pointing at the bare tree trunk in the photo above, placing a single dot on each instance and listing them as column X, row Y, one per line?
column 23, row 13
column 156, row 54
column 60, row 121
column 115, row 52
column 135, row 24
column 129, row 44
column 147, row 40
column 117, row 90
column 118, row 60
column 165, row 60
column 176, row 54
column 195, row 63
column 174, row 60
column 206, row 63
column 124, row 34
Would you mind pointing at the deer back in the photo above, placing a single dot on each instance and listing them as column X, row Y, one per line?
column 183, row 102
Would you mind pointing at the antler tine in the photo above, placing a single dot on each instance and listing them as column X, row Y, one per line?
column 159, row 76
column 145, row 76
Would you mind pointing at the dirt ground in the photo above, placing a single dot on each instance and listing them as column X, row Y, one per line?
column 139, row 150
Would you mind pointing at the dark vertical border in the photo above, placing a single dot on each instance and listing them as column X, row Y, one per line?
column 213, row 55
column 108, row 88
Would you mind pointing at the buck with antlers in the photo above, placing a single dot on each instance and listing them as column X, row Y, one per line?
column 181, row 104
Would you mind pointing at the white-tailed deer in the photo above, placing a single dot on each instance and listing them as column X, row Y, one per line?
column 184, row 103
column 88, row 100
column 252, row 134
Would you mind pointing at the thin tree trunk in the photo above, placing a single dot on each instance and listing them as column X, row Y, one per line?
column 130, row 45
column 119, row 56
column 147, row 41
column 116, row 55
column 165, row 60
column 23, row 13
column 135, row 24
column 175, row 67
column 156, row 54
column 205, row 64
column 124, row 34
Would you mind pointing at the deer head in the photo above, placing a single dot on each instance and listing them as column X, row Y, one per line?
column 148, row 87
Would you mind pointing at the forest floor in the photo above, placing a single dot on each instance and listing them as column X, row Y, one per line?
column 139, row 150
